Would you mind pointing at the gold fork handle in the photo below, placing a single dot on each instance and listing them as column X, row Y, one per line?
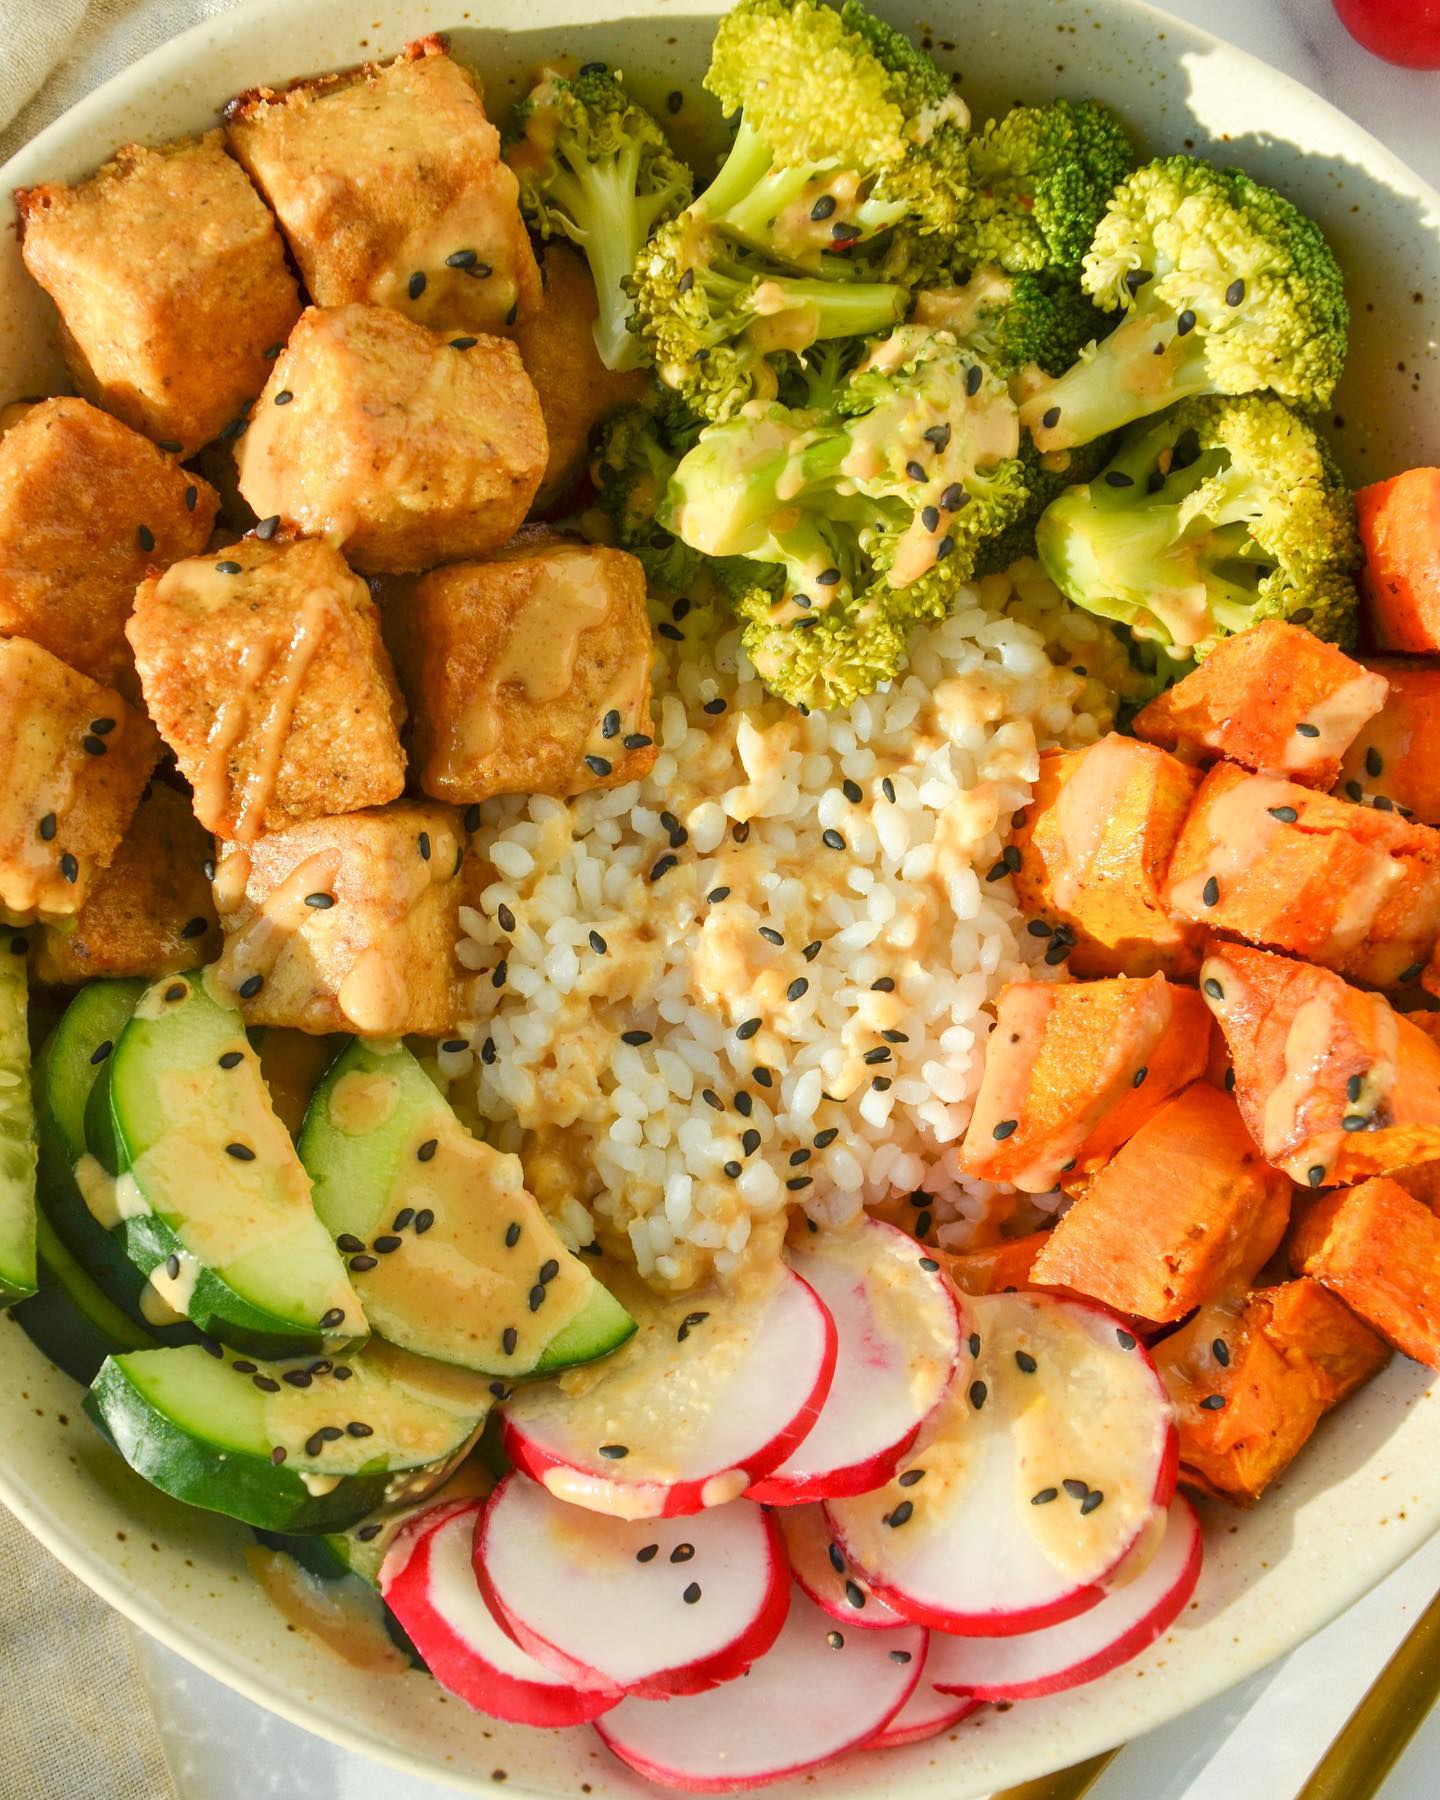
column 1064, row 1784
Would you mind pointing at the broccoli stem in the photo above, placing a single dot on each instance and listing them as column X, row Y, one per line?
column 1143, row 366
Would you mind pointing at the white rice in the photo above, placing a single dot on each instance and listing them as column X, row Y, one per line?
column 650, row 1139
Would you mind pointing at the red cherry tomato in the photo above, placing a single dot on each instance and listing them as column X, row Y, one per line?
column 1402, row 31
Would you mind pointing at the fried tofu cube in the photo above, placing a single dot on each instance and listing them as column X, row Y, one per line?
column 403, row 447
column 529, row 674
column 1183, row 1212
column 171, row 282
column 1095, row 842
column 1395, row 761
column 388, row 183
column 150, row 913
column 347, row 924
column 74, row 759
column 1279, row 865
column 87, row 506
column 264, row 669
column 1275, row 699
column 576, row 390
column 1252, row 1376
column 1073, row 1069
column 1378, row 1248
column 1333, row 1084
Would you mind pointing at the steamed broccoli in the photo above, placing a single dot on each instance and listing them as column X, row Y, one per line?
column 1046, row 478
column 1217, row 514
column 1225, row 289
column 1043, row 175
column 633, row 460
column 1014, row 323
column 594, row 166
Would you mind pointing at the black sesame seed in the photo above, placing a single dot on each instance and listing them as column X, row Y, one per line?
column 747, row 1030
column 733, row 1169
column 242, row 1366
column 902, row 1514
column 880, row 1054
column 361, row 1265
column 192, row 494
column 227, row 568
column 47, row 826
column 1138, row 1080
column 1117, row 478
column 667, row 630
column 598, row 765
column 647, row 1553
column 349, row 1243
column 1413, row 973
column 235, row 429
column 663, row 867
column 930, row 518
column 1006, row 1128
column 929, row 1264
column 798, row 1157
column 1136, row 279
column 1235, row 293
column 101, row 1051
column 508, row 1340
column 598, row 944
column 427, row 1150
column 1050, row 418
column 978, row 1394
column 1305, row 729
column 277, row 1456
column 674, row 100
column 823, row 208
column 92, row 745
column 1213, row 1403
column 1077, row 1490
column 974, row 1343
column 714, row 707
column 298, row 1378
column 762, row 1077
column 241, row 1152
column 329, row 1320
column 915, row 471
column 797, row 1182
column 797, row 988
column 536, row 1297
column 682, row 1553
column 416, row 284
column 1045, row 1496
column 313, row 1445
column 488, row 1052
column 1212, row 989
column 1220, row 1350
column 470, row 819
column 265, row 1383
column 900, row 1656
column 1125, row 1339
column 1287, row 815
column 172, row 1266
column 835, row 1639
column 691, row 1594
column 1374, row 764
column 344, row 1372
column 1210, row 894
column 1093, row 1499
column 1354, row 1122
column 1315, row 1175
column 387, row 1244
column 852, row 792
column 1025, row 1362
column 636, row 1038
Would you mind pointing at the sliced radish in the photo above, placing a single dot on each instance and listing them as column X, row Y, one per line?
column 1029, row 1483
column 429, row 1584
column 709, row 1395
column 651, row 1607
column 927, row 1712
column 819, row 1565
column 818, row 1693
column 1063, row 1656
column 899, row 1332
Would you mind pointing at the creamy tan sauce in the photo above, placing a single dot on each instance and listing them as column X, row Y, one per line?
column 1336, row 718
column 110, row 1201
column 341, row 1615
column 362, row 1100
column 257, row 946
column 165, row 1298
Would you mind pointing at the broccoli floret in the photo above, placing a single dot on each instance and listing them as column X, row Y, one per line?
column 1014, row 323
column 1213, row 516
column 1043, row 175
column 633, row 460
column 1225, row 289
column 875, row 511
column 594, row 166
column 1046, row 478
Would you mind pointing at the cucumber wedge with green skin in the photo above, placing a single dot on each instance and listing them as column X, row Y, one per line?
column 297, row 1447
column 215, row 1204
column 450, row 1255
column 70, row 1320
column 17, row 1129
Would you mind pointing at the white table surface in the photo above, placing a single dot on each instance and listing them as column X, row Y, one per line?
column 1259, row 1741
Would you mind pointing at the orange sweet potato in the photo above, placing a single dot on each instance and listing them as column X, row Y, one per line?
column 1396, row 758
column 1399, row 524
column 1422, row 1181
column 1333, row 1084
column 1378, row 1248
column 1275, row 699
column 1185, row 1211
column 1094, row 846
column 998, row 1267
column 1279, row 865
column 1074, row 1069
column 1251, row 1377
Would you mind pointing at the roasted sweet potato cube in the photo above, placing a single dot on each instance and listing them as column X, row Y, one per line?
column 150, row 913
column 1378, row 1248
column 1095, row 842
column 74, row 759
column 1333, row 1083
column 1399, row 522
column 171, row 282
column 1183, row 1212
column 529, row 674
column 1275, row 699
column 263, row 666
column 1395, row 761
column 1422, row 1182
column 1074, row 1069
column 347, row 924
column 388, row 182
column 996, row 1268
column 1251, row 1378
column 403, row 447
column 1279, row 865
column 86, row 507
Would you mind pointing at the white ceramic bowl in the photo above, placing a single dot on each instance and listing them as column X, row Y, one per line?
column 1363, row 1494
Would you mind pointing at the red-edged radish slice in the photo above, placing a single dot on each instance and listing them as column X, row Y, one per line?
column 1029, row 1483
column 899, row 1332
column 429, row 1584
column 653, row 1606
column 711, row 1393
column 1063, row 1656
column 817, row 1693
column 819, row 1565
column 924, row 1715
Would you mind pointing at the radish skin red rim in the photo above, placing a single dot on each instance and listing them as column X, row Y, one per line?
column 810, row 1699
column 1030, row 1483
column 900, row 1336
column 652, row 1607
column 819, row 1566
column 430, row 1586
column 928, row 1711
column 701, row 1403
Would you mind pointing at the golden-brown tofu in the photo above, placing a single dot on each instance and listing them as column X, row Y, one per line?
column 388, row 183
column 151, row 912
column 263, row 667
column 403, row 447
column 347, row 924
column 576, row 390
column 73, row 761
column 1378, row 1248
column 529, row 674
column 86, row 507
column 171, row 282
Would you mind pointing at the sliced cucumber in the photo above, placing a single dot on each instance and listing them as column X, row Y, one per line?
column 215, row 1204
column 450, row 1255
column 70, row 1319
column 312, row 1446
column 17, row 1129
